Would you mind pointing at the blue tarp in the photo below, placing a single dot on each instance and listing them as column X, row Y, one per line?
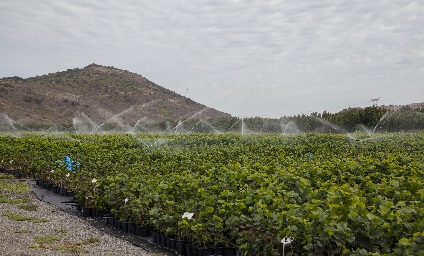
column 70, row 165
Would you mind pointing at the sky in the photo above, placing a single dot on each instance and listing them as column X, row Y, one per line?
column 264, row 58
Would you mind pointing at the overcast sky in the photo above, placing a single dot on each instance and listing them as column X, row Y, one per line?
column 243, row 57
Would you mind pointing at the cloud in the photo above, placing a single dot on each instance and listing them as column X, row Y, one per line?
column 271, row 52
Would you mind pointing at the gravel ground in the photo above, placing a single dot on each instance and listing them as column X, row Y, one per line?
column 72, row 235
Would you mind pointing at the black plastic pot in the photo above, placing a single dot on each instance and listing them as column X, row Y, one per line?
column 190, row 250
column 101, row 213
column 132, row 228
column 155, row 237
column 48, row 186
column 204, row 251
column 63, row 191
column 18, row 175
column 142, row 230
column 125, row 227
column 171, row 244
column 180, row 247
column 114, row 222
column 163, row 239
column 225, row 251
column 108, row 220
column 78, row 207
column 93, row 212
column 86, row 212
column 117, row 224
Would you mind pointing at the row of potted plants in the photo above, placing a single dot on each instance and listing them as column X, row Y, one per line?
column 55, row 189
column 332, row 194
column 183, row 247
column 17, row 174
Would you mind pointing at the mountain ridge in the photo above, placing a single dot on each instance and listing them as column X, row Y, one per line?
column 98, row 92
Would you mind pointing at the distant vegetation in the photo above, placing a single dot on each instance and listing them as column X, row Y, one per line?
column 349, row 120
column 367, row 120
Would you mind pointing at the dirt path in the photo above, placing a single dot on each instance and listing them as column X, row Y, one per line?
column 29, row 226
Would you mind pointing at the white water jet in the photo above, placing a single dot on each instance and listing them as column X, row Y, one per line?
column 116, row 119
column 245, row 128
column 213, row 129
column 179, row 128
column 141, row 124
column 383, row 118
column 83, row 124
column 180, row 123
column 242, row 131
column 364, row 129
column 7, row 122
column 234, row 125
column 290, row 128
column 328, row 123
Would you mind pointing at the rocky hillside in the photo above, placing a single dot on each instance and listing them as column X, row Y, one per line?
column 96, row 92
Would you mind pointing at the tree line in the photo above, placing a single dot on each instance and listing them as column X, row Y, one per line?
column 369, row 119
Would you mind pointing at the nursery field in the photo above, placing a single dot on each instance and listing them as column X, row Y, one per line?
column 320, row 194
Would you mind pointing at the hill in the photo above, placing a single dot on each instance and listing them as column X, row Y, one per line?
column 96, row 92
